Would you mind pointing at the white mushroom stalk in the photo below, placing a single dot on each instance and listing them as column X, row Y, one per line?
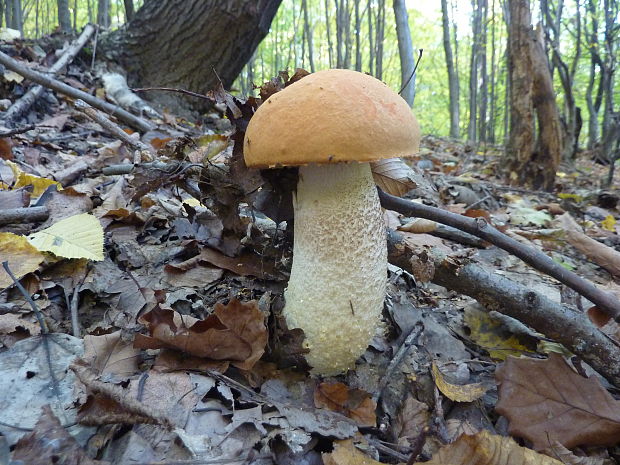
column 338, row 278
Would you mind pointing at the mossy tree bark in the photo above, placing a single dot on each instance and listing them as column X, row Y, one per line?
column 184, row 43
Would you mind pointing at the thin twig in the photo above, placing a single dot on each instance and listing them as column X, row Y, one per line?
column 35, row 309
column 172, row 89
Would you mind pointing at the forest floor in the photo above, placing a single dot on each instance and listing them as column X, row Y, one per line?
column 133, row 281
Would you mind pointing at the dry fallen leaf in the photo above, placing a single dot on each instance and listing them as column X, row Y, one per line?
column 393, row 176
column 345, row 453
column 50, row 442
column 455, row 392
column 353, row 403
column 109, row 354
column 546, row 401
column 412, row 418
column 234, row 332
column 23, row 258
column 485, row 448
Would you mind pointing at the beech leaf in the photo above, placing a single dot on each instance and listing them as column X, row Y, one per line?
column 547, row 401
column 393, row 176
column 353, row 403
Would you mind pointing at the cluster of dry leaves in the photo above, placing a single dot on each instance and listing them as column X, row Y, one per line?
column 163, row 342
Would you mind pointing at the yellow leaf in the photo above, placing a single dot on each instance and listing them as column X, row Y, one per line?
column 485, row 448
column 608, row 223
column 79, row 236
column 455, row 392
column 575, row 197
column 24, row 179
column 345, row 453
column 492, row 335
column 23, row 258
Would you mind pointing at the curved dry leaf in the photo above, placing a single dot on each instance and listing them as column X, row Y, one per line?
column 485, row 448
column 456, row 392
column 546, row 401
column 419, row 225
column 393, row 176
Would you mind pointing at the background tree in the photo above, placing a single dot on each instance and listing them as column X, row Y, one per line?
column 405, row 48
column 64, row 16
column 453, row 77
column 204, row 41
column 534, row 147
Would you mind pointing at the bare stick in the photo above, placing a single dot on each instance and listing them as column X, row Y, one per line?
column 23, row 215
column 46, row 81
column 571, row 328
column 605, row 301
column 22, row 105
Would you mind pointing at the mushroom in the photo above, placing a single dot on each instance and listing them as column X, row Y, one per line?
column 331, row 124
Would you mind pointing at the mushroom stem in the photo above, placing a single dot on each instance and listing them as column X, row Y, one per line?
column 339, row 273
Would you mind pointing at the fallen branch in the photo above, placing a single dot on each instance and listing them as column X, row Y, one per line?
column 23, row 215
column 605, row 301
column 46, row 81
column 113, row 129
column 22, row 105
column 569, row 327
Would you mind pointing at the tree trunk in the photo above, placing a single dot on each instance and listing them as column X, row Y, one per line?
column 610, row 11
column 532, row 160
column 64, row 16
column 17, row 17
column 405, row 51
column 308, row 32
column 379, row 39
column 348, row 43
column 330, row 45
column 566, row 74
column 484, row 77
column 492, row 96
column 453, row 84
column 358, row 33
column 103, row 13
column 189, row 44
column 473, row 73
column 129, row 10
column 371, row 44
column 8, row 6
column 339, row 34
